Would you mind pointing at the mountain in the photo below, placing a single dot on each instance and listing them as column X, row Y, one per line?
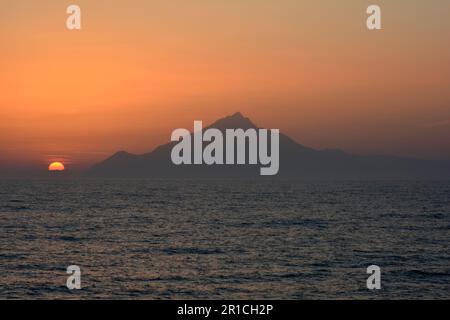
column 296, row 161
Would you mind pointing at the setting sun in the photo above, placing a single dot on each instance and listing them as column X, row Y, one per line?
column 56, row 166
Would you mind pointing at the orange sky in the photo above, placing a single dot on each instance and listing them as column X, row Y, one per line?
column 139, row 69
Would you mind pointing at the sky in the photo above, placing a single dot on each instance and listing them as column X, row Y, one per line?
column 139, row 69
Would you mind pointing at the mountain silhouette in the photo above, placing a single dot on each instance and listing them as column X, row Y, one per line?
column 296, row 161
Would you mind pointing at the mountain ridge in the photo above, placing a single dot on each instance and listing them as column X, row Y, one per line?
column 296, row 161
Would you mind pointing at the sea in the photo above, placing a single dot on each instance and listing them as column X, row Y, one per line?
column 224, row 239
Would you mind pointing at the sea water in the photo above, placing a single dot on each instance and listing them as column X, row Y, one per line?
column 260, row 239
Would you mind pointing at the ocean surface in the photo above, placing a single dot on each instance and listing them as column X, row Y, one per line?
column 224, row 239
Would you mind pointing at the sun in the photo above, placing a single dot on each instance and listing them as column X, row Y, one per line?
column 56, row 166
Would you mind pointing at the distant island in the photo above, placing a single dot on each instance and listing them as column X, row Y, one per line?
column 296, row 162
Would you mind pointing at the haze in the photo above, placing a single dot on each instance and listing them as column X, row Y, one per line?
column 139, row 69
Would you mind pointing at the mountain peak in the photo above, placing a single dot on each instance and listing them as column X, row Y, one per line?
column 235, row 121
column 237, row 115
column 121, row 155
